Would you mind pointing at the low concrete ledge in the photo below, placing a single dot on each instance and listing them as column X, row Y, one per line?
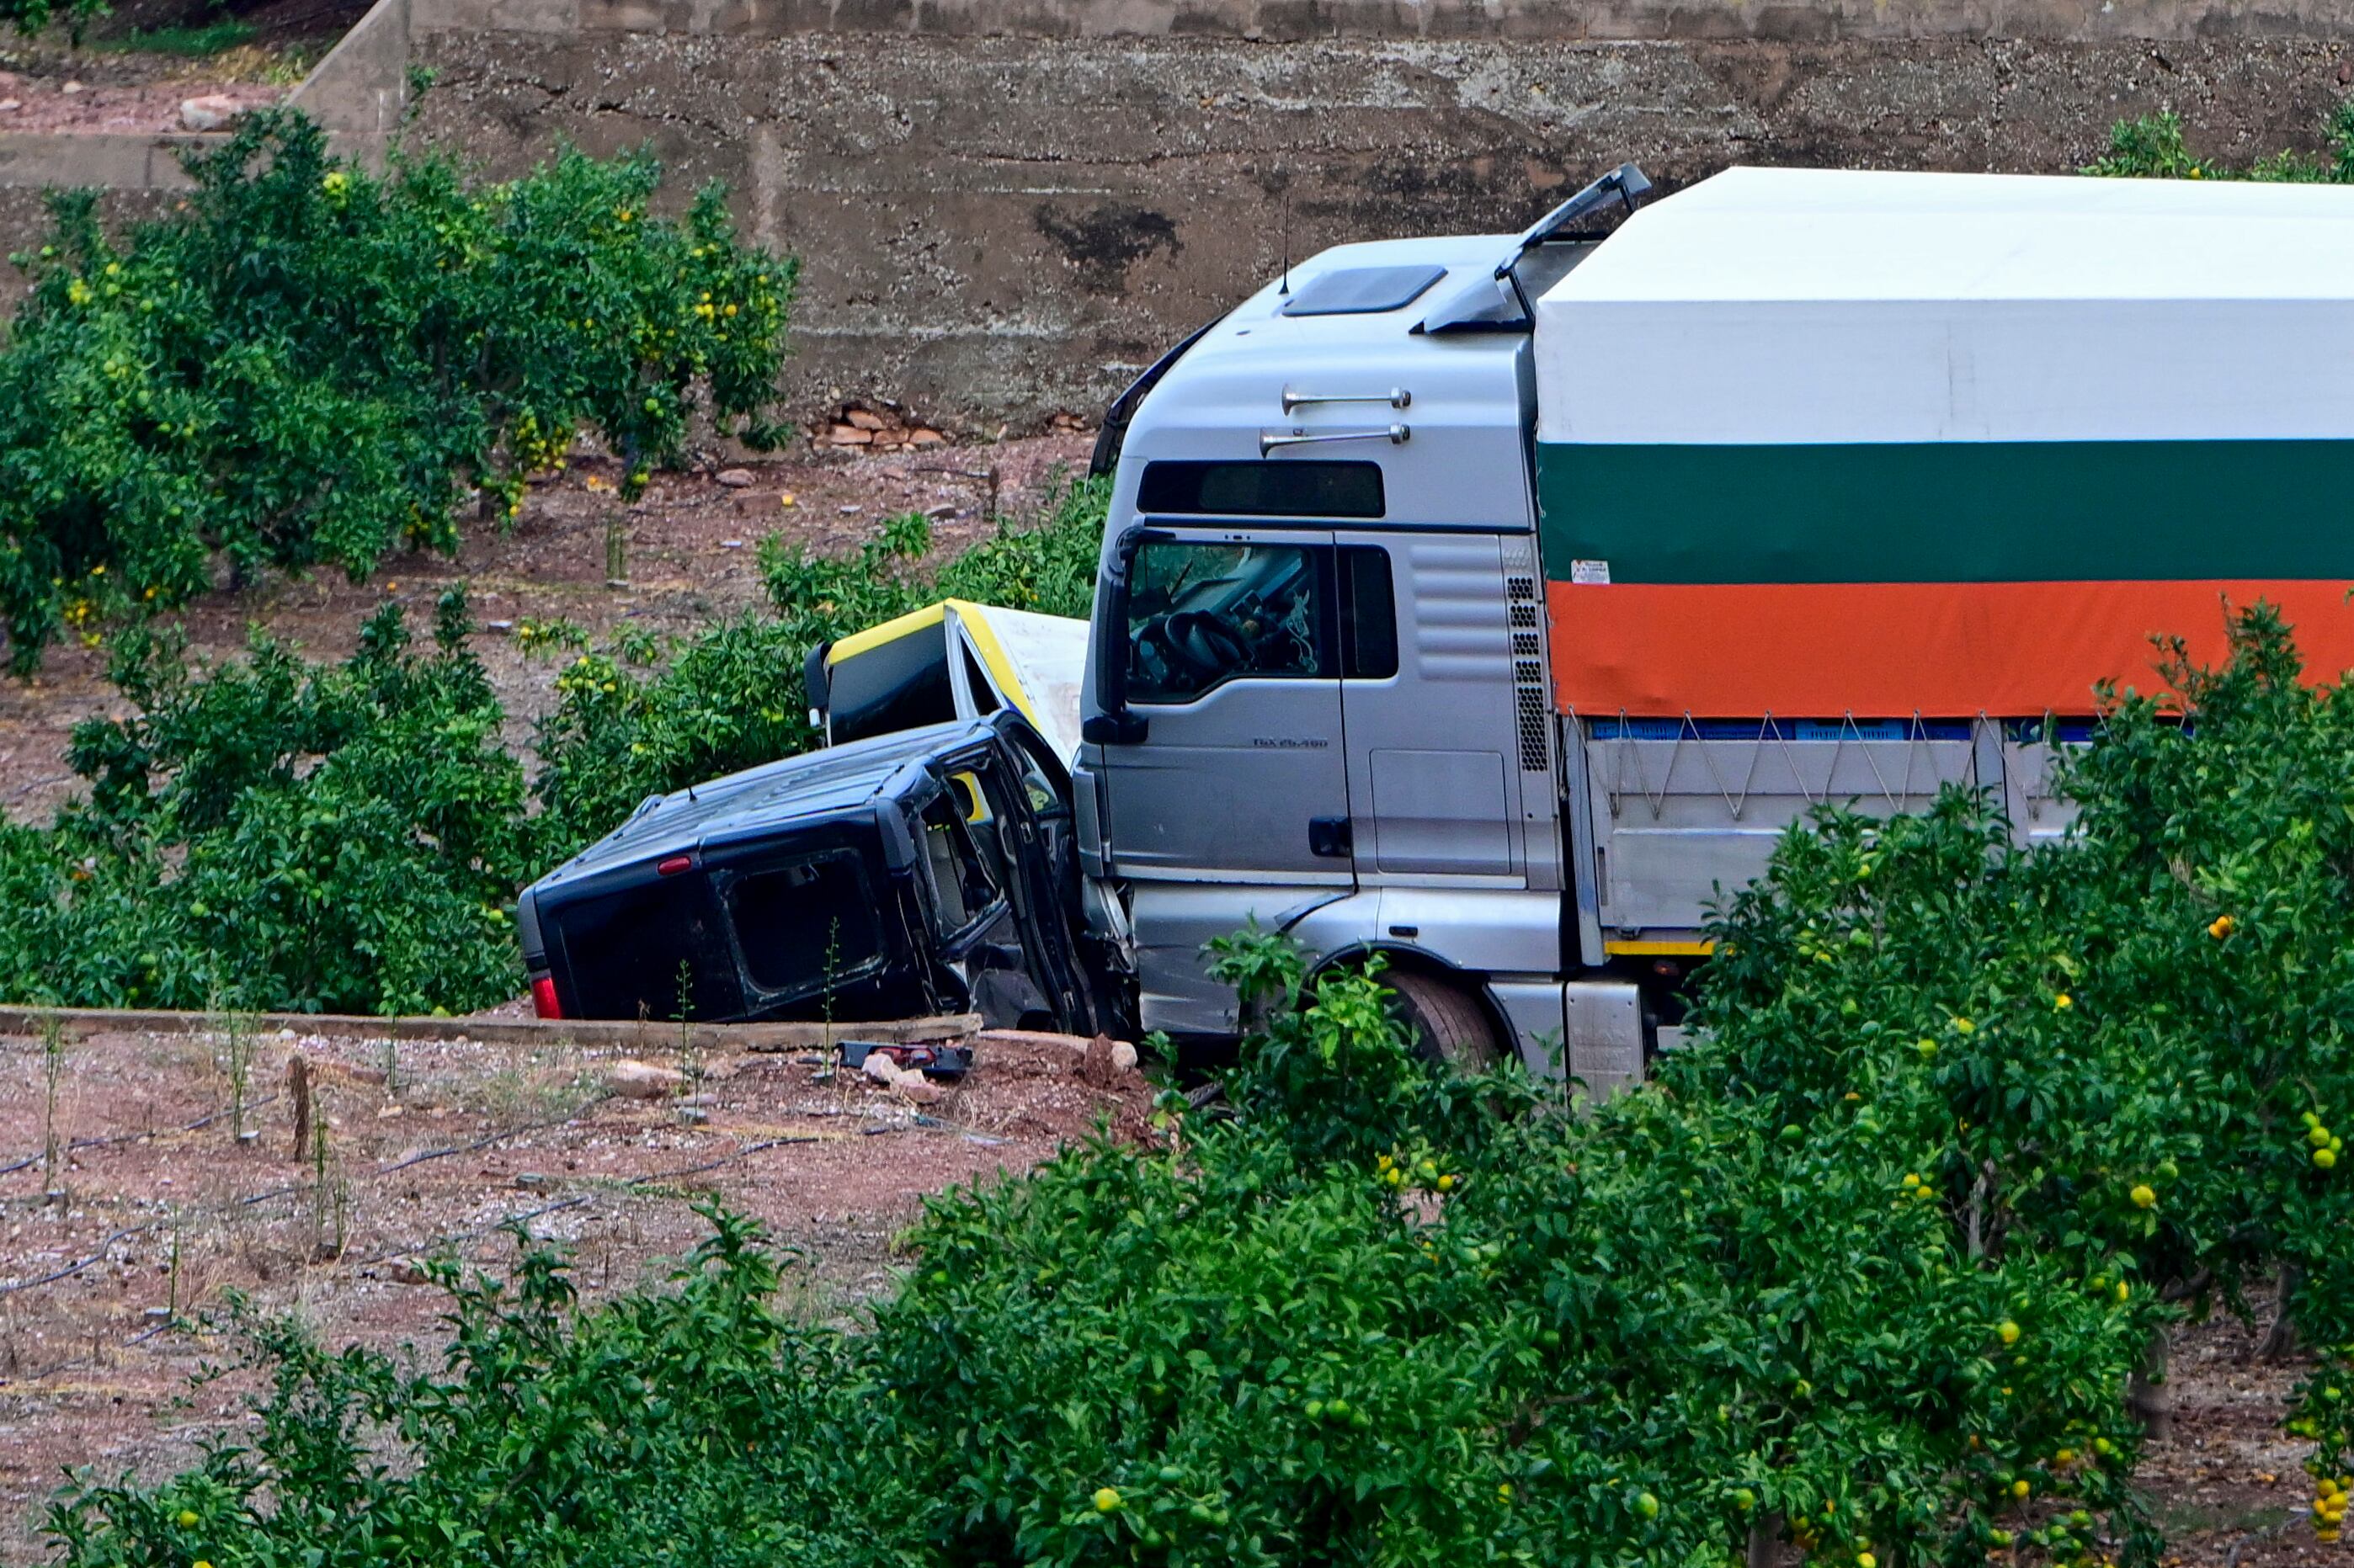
column 1299, row 21
column 111, row 160
column 81, row 1023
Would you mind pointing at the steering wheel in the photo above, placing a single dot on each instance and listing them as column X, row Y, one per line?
column 1204, row 643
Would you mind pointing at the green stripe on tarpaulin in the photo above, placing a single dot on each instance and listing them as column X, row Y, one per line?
column 1950, row 511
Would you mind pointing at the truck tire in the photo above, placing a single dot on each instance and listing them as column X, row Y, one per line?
column 1445, row 1022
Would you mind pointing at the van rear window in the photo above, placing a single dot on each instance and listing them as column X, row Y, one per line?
column 643, row 951
column 1276, row 489
column 805, row 926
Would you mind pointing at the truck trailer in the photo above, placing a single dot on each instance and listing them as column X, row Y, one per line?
column 1494, row 604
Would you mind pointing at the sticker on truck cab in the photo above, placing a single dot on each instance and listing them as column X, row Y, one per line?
column 1590, row 572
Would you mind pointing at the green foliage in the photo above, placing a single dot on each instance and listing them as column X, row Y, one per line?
column 313, row 363
column 2129, row 1054
column 197, row 40
column 680, row 1426
column 1378, row 1318
column 2152, row 147
column 734, row 697
column 276, row 834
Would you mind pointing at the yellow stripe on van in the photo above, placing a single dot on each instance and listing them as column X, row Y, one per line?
column 975, row 620
column 1632, row 949
column 891, row 630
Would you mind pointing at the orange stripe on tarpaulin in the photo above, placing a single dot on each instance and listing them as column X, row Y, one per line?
column 1889, row 650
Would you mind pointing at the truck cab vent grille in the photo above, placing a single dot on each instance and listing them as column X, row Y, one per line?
column 1533, row 714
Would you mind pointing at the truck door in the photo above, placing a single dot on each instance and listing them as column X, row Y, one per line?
column 1233, row 665
column 1434, row 780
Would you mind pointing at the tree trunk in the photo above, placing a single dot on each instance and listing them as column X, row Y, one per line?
column 2281, row 1341
column 2149, row 1397
column 1765, row 1541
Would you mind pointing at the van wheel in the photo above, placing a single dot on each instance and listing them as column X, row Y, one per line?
column 1445, row 1022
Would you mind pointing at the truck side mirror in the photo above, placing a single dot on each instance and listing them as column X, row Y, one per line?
column 1116, row 726
column 1121, row 729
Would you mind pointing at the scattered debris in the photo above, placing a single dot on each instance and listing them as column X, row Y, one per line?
column 884, row 429
column 210, row 113
column 637, row 1080
column 735, row 478
column 909, row 1084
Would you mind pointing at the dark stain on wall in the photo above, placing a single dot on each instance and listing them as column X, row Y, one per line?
column 1104, row 241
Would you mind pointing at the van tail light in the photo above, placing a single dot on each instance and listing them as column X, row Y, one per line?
column 543, row 997
column 675, row 864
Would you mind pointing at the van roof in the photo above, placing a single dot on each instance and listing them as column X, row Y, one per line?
column 814, row 784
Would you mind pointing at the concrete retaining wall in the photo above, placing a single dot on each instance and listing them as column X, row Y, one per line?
column 994, row 227
column 1005, row 207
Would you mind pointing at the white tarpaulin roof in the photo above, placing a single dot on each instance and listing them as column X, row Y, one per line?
column 1766, row 305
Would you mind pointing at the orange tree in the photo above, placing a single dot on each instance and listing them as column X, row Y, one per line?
column 308, row 363
column 2128, row 1055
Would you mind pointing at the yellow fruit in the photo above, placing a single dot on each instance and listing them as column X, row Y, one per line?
column 2318, row 1136
column 2325, row 1159
column 2064, row 1002
column 2008, row 1332
column 187, row 1519
column 1963, row 1026
column 1107, row 1501
column 2021, row 1489
column 2125, row 1293
column 1866, row 1560
column 2145, row 1196
column 1647, row 1505
column 2222, row 926
column 1504, row 1490
column 1446, row 1183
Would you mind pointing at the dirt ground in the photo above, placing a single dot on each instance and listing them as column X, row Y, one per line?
column 47, row 83
column 692, row 556
column 431, row 1147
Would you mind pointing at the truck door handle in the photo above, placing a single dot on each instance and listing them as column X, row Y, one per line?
column 1329, row 837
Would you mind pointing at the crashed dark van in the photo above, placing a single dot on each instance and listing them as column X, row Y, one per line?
column 927, row 871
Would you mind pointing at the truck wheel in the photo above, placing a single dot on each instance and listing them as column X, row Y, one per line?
column 1445, row 1022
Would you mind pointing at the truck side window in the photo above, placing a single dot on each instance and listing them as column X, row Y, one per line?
column 1369, row 649
column 1201, row 612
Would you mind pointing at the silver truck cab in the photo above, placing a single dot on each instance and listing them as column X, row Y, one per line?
column 1318, row 697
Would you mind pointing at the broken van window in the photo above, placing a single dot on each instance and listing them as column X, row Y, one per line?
column 805, row 926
